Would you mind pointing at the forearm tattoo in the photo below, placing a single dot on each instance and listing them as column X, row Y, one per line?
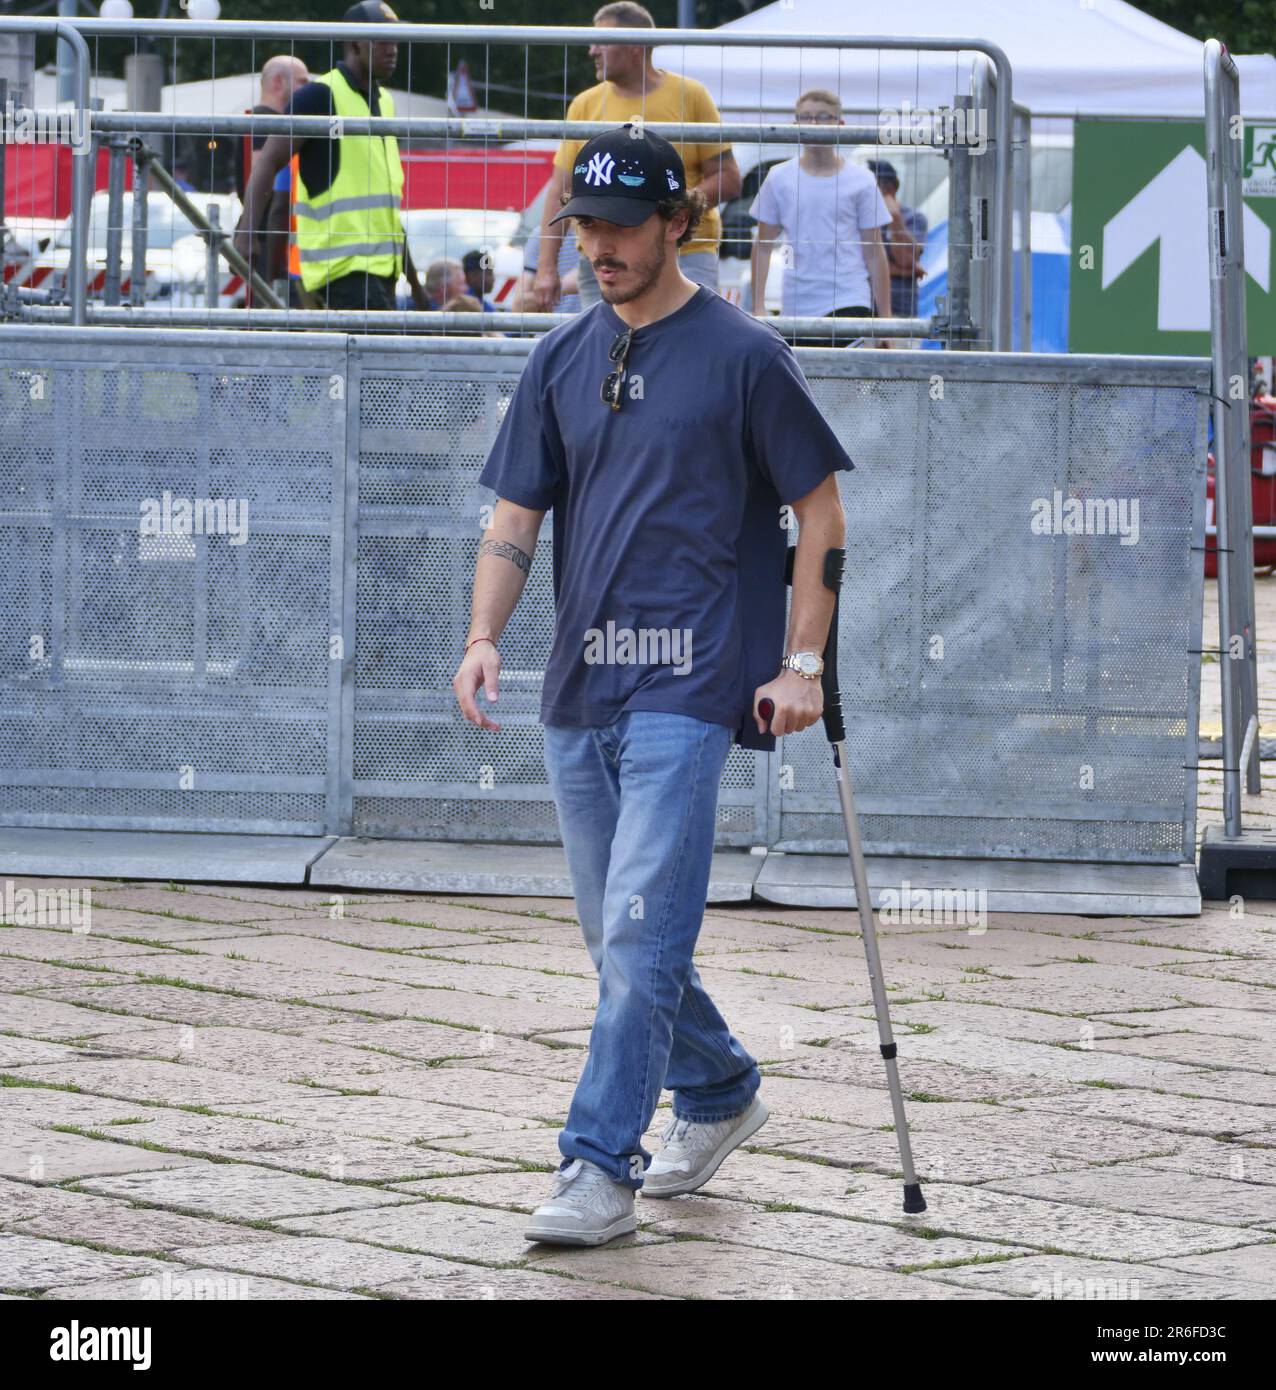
column 511, row 552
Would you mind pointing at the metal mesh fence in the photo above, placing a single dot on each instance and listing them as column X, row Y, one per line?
column 171, row 680
column 1009, row 692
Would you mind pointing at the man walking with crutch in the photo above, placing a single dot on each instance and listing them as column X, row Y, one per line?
column 673, row 436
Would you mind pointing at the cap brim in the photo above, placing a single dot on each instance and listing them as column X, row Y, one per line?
column 624, row 212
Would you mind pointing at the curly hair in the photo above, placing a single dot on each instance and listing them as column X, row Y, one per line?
column 692, row 199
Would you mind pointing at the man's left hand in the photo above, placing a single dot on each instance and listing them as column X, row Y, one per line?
column 798, row 701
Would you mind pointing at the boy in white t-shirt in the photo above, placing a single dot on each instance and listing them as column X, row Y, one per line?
column 830, row 213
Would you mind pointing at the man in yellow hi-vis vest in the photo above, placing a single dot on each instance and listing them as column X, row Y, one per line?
column 350, row 239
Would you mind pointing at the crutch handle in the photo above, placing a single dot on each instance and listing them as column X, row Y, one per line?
column 834, row 727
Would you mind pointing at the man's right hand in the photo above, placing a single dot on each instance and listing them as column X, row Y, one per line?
column 480, row 667
column 546, row 289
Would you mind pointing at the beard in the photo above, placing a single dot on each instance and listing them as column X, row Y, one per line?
column 646, row 274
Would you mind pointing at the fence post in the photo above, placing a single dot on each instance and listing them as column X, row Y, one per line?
column 116, row 146
column 1233, row 506
column 983, row 270
column 960, row 241
column 4, row 125
column 82, row 170
column 1023, row 207
column 1242, row 577
column 212, row 258
column 141, row 210
column 993, row 279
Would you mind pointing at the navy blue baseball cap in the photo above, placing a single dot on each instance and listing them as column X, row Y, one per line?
column 621, row 175
column 370, row 12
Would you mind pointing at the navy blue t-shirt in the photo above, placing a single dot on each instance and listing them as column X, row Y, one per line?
column 669, row 542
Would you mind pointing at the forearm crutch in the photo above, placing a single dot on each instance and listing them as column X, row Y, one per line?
column 834, row 560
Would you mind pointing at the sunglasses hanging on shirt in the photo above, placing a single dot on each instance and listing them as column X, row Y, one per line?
column 618, row 354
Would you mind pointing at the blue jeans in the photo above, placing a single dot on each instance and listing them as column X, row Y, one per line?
column 637, row 801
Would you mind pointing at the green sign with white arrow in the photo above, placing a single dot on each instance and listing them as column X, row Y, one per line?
column 1140, row 262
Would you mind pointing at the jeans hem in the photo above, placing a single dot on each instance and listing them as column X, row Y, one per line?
column 713, row 1117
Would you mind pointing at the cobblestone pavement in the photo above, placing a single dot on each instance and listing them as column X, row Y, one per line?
column 231, row 1092
column 229, row 1085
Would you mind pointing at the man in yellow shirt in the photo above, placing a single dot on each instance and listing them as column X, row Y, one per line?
column 630, row 86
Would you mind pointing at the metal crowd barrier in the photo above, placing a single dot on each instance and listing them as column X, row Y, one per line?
column 991, row 83
column 1230, row 393
column 1009, row 692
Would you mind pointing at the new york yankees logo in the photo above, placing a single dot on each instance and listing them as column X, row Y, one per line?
column 600, row 167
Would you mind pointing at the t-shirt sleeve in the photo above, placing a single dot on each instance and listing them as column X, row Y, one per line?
column 311, row 99
column 703, row 110
column 283, row 179
column 792, row 443
column 525, row 462
column 873, row 211
column 532, row 250
column 565, row 155
column 766, row 206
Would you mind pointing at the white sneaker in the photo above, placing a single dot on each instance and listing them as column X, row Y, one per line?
column 586, row 1207
column 691, row 1153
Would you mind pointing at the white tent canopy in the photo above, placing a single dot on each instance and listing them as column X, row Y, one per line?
column 1067, row 57
column 231, row 94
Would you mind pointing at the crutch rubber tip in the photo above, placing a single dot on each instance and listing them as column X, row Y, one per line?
column 913, row 1199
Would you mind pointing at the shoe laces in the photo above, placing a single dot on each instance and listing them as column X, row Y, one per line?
column 675, row 1130
column 587, row 1175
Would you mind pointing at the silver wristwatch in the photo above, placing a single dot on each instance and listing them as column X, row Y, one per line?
column 808, row 664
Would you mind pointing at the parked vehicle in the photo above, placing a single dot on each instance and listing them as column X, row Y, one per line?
column 25, row 240
column 175, row 252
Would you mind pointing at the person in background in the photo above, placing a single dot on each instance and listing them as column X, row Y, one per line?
column 282, row 254
column 829, row 212
column 523, row 298
column 905, row 240
column 630, row 86
column 467, row 304
column 280, row 77
column 349, row 189
column 444, row 280
column 480, row 277
column 279, row 258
